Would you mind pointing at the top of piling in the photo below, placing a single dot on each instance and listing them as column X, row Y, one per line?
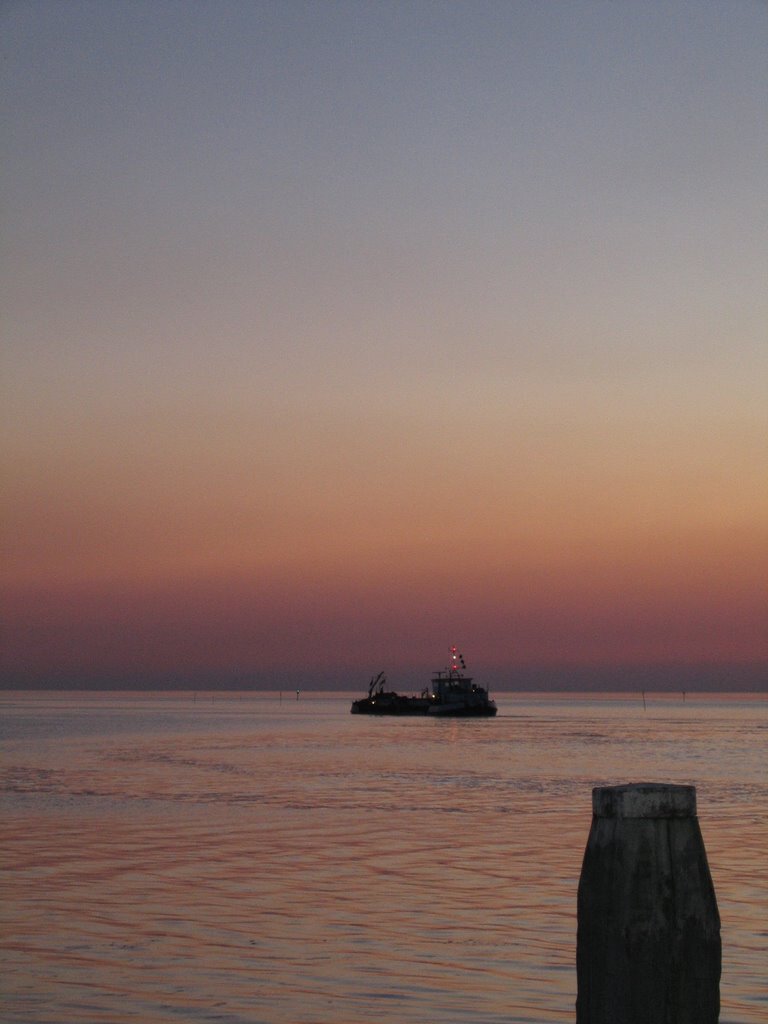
column 644, row 800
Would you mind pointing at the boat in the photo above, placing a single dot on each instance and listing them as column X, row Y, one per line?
column 451, row 694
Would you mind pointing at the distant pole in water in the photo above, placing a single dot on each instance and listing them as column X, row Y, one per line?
column 644, row 700
column 648, row 946
column 297, row 694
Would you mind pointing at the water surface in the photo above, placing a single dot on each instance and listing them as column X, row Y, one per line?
column 258, row 860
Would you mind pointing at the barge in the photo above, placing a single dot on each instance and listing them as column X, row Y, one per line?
column 451, row 694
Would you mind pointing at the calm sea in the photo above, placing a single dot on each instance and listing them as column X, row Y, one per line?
column 258, row 860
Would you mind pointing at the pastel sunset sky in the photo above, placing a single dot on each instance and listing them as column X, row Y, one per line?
column 336, row 333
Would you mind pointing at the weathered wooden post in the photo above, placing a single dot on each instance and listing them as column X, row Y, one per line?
column 648, row 948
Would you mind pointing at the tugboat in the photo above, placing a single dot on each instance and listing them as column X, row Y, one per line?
column 451, row 694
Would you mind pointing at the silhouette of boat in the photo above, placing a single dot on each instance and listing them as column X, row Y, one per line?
column 451, row 694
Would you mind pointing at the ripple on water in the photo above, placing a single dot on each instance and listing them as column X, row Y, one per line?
column 295, row 871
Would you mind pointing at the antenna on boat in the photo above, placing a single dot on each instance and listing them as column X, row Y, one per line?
column 456, row 660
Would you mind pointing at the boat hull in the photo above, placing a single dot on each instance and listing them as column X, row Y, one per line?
column 414, row 706
column 391, row 704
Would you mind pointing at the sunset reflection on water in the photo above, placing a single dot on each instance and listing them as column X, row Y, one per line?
column 245, row 860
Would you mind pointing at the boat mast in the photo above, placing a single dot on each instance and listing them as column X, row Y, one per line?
column 456, row 661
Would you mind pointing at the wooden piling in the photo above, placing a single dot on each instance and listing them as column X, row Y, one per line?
column 648, row 947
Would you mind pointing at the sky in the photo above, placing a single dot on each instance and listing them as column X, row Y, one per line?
column 337, row 333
